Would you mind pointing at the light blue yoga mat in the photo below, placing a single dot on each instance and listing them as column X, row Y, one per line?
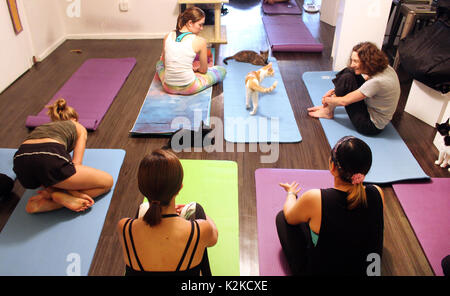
column 60, row 242
column 274, row 120
column 391, row 159
column 6, row 162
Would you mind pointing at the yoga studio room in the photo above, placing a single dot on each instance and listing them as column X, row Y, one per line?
column 249, row 139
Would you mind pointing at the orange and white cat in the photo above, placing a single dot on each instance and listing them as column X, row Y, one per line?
column 253, row 86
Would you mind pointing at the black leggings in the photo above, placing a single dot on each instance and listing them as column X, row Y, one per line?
column 345, row 82
column 296, row 243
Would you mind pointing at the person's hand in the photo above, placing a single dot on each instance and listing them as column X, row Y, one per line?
column 329, row 93
column 195, row 66
column 326, row 100
column 178, row 209
column 293, row 187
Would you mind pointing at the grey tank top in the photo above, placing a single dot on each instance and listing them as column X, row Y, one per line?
column 65, row 132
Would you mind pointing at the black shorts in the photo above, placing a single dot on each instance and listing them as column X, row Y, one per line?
column 44, row 164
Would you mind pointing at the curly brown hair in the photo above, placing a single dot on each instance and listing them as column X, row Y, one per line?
column 373, row 60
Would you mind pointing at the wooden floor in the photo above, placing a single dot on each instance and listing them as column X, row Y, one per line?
column 402, row 252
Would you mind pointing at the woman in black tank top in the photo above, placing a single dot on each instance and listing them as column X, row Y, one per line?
column 161, row 242
column 337, row 230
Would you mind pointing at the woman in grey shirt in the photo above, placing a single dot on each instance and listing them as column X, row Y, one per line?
column 370, row 101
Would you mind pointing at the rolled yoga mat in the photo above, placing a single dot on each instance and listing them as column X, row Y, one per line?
column 427, row 206
column 90, row 91
column 270, row 198
column 391, row 159
column 164, row 114
column 60, row 242
column 289, row 7
column 274, row 120
column 289, row 33
column 6, row 162
column 214, row 185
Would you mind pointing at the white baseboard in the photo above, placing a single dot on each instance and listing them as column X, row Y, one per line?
column 50, row 49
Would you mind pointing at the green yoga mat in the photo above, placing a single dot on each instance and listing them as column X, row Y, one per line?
column 214, row 185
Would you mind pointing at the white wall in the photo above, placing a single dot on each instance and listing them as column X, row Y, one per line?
column 103, row 19
column 15, row 50
column 358, row 21
column 46, row 25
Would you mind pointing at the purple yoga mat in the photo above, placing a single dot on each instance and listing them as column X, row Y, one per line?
column 289, row 33
column 270, row 198
column 427, row 206
column 289, row 7
column 90, row 90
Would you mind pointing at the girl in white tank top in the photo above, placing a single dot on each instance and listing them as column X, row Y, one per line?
column 179, row 57
column 175, row 69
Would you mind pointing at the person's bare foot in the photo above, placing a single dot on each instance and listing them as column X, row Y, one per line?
column 45, row 193
column 82, row 195
column 41, row 202
column 321, row 112
column 315, row 108
column 72, row 203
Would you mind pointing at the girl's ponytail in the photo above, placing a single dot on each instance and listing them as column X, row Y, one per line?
column 353, row 159
column 153, row 215
column 160, row 177
column 60, row 111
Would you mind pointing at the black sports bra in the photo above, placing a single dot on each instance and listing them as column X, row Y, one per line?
column 130, row 271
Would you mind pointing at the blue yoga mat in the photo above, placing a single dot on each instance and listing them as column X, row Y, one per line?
column 391, row 159
column 60, row 242
column 6, row 162
column 274, row 120
column 163, row 113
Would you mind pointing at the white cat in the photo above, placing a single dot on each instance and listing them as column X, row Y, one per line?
column 443, row 144
column 253, row 87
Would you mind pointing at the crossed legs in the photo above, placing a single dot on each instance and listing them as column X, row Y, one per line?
column 76, row 193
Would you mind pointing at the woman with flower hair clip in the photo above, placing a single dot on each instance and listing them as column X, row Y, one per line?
column 333, row 230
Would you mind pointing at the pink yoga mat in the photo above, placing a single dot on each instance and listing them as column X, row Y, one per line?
column 427, row 206
column 90, row 90
column 270, row 198
column 289, row 33
column 289, row 7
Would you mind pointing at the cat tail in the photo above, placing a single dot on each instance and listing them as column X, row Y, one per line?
column 261, row 89
column 226, row 59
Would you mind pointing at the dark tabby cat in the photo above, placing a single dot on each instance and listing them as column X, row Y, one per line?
column 250, row 56
column 444, row 144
